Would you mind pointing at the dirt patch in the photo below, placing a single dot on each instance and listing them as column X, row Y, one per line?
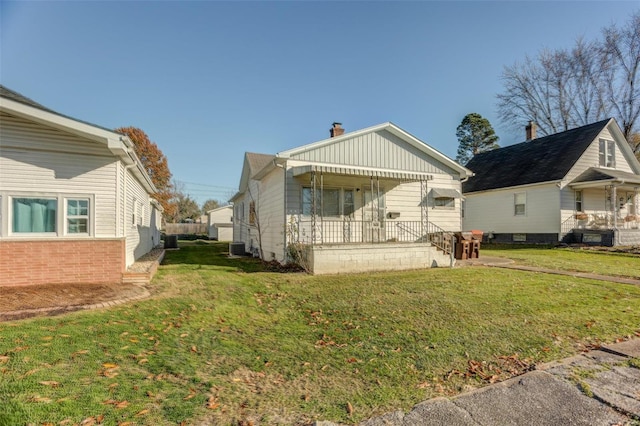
column 63, row 295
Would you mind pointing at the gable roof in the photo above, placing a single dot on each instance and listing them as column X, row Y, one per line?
column 545, row 159
column 14, row 103
column 594, row 174
column 391, row 128
column 257, row 161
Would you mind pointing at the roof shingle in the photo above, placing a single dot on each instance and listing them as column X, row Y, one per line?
column 544, row 159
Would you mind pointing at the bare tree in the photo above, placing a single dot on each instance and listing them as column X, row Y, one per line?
column 620, row 57
column 563, row 89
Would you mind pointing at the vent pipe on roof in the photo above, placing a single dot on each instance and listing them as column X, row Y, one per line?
column 531, row 130
column 336, row 130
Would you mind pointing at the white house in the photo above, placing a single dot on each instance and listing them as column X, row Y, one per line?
column 76, row 204
column 578, row 186
column 219, row 223
column 373, row 199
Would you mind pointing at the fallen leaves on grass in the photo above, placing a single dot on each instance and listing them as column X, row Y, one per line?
column 51, row 383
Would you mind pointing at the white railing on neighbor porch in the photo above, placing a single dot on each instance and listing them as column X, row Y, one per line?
column 346, row 231
column 599, row 220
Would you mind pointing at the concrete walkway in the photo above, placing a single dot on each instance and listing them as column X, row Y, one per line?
column 600, row 387
column 501, row 262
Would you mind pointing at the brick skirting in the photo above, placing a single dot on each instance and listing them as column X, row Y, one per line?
column 61, row 261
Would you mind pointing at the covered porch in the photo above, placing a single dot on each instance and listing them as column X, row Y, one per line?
column 357, row 219
column 605, row 200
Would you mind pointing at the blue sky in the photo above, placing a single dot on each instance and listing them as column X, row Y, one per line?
column 210, row 80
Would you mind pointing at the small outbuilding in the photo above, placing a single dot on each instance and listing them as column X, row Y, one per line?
column 220, row 223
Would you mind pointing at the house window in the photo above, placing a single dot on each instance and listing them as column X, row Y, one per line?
column 34, row 215
column 444, row 203
column 579, row 201
column 77, row 216
column 329, row 202
column 607, row 153
column 520, row 203
column 252, row 213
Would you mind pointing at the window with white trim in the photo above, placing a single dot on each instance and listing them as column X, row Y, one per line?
column 49, row 214
column 606, row 153
column 579, row 201
column 329, row 202
column 77, row 217
column 444, row 203
column 34, row 215
column 520, row 204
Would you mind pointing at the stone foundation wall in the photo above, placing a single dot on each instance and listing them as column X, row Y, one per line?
column 59, row 262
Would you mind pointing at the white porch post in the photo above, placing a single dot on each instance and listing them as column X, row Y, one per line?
column 614, row 205
column 424, row 209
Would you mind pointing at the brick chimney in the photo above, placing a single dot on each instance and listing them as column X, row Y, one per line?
column 531, row 130
column 336, row 130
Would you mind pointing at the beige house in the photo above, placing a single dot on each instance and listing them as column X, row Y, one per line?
column 577, row 186
column 219, row 223
column 373, row 199
column 76, row 204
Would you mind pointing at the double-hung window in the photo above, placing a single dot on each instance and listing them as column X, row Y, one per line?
column 520, row 204
column 607, row 153
column 578, row 201
column 77, row 216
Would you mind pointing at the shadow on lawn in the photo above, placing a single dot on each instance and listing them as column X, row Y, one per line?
column 211, row 253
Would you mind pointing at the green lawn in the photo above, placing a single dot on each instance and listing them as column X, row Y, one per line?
column 569, row 259
column 224, row 342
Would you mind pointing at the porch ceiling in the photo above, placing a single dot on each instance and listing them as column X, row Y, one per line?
column 353, row 171
column 599, row 178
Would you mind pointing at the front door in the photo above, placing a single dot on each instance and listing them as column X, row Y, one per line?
column 373, row 216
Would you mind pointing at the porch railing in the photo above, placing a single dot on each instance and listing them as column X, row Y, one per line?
column 599, row 220
column 345, row 231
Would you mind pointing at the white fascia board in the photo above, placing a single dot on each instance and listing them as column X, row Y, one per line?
column 119, row 145
column 516, row 187
column 269, row 167
column 392, row 128
column 329, row 141
column 616, row 131
column 50, row 119
column 464, row 172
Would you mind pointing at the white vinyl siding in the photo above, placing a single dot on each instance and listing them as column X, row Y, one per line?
column 33, row 173
column 493, row 211
column 380, row 149
column 591, row 158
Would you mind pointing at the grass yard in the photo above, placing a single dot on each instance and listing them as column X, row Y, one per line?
column 569, row 259
column 224, row 342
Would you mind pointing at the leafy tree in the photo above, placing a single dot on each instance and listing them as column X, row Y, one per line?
column 187, row 208
column 475, row 135
column 156, row 165
column 210, row 205
column 566, row 88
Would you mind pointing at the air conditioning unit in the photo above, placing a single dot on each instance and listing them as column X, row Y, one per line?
column 236, row 248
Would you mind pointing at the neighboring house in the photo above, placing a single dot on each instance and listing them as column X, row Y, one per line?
column 374, row 199
column 576, row 186
column 220, row 223
column 75, row 201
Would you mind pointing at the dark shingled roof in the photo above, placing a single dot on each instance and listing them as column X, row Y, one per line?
column 595, row 174
column 544, row 159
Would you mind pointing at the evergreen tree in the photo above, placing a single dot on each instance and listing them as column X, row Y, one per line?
column 475, row 135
